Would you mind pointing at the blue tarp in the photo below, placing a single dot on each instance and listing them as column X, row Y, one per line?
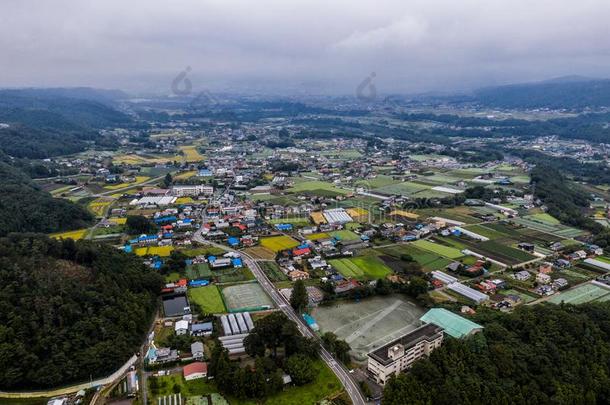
column 128, row 249
column 211, row 259
column 237, row 262
column 198, row 283
column 283, row 227
column 171, row 218
column 233, row 241
column 303, row 246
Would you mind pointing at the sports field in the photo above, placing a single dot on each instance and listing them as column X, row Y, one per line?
column 582, row 294
column 208, row 298
column 279, row 243
column 363, row 267
column 241, row 297
column 446, row 251
column 370, row 323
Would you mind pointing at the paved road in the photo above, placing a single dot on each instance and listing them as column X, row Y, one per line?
column 338, row 368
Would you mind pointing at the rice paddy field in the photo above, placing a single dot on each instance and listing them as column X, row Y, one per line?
column 162, row 251
column 462, row 214
column 582, row 294
column 495, row 250
column 362, row 267
column 208, row 298
column 190, row 154
column 139, row 180
column 135, row 160
column 279, row 243
column 74, row 235
column 99, row 207
column 259, row 252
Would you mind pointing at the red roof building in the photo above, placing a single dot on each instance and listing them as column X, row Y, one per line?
column 195, row 370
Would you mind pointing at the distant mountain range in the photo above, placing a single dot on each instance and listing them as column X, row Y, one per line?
column 569, row 92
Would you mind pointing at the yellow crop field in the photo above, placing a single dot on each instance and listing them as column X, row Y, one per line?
column 356, row 212
column 279, row 243
column 317, row 218
column 132, row 159
column 75, row 235
column 185, row 175
column 118, row 221
column 99, row 206
column 139, row 180
column 190, row 154
column 162, row 251
column 184, row 200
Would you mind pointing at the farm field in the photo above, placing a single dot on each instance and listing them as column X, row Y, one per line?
column 406, row 188
column 279, row 243
column 446, row 251
column 316, row 236
column 259, row 252
column 74, row 235
column 428, row 260
column 315, row 185
column 462, row 214
column 525, row 297
column 190, row 154
column 377, row 182
column 495, row 251
column 345, row 235
column 208, row 298
column 362, row 267
column 139, row 180
column 272, row 271
column 162, row 251
column 197, row 271
column 99, row 206
column 560, row 230
column 296, row 221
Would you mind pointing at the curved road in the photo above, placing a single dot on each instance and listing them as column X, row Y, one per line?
column 351, row 387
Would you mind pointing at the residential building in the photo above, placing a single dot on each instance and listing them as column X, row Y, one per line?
column 181, row 327
column 197, row 350
column 400, row 354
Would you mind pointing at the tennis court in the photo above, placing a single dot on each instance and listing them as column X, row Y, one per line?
column 582, row 294
column 369, row 324
column 248, row 296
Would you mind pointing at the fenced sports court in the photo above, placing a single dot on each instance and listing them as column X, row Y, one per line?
column 368, row 324
column 246, row 297
column 582, row 294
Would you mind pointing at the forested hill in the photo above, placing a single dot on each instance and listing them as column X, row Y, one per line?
column 43, row 123
column 576, row 93
column 543, row 354
column 69, row 311
column 26, row 208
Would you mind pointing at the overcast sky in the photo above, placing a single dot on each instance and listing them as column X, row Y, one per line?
column 312, row 46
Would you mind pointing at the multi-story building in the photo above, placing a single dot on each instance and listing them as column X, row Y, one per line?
column 192, row 191
column 401, row 353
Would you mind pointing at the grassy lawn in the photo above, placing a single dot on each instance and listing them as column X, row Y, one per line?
column 363, row 267
column 446, row 251
column 279, row 243
column 172, row 277
column 187, row 388
column 317, row 186
column 345, row 235
column 208, row 298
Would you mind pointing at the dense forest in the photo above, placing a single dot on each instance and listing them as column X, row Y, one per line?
column 544, row 354
column 44, row 123
column 27, row 208
column 69, row 311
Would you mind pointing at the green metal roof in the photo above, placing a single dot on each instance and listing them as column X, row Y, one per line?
column 453, row 324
